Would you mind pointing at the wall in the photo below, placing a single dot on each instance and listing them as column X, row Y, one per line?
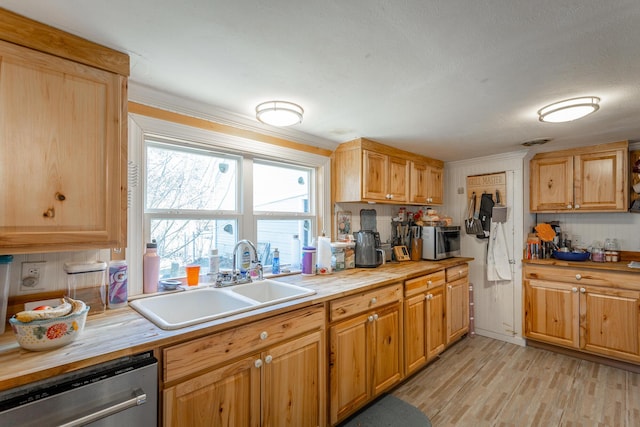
column 497, row 305
column 54, row 277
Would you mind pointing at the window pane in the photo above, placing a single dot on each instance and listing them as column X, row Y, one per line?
column 181, row 178
column 279, row 234
column 280, row 188
column 181, row 242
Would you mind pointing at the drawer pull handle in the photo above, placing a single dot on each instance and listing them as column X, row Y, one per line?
column 264, row 335
column 258, row 363
column 578, row 277
column 268, row 359
column 574, row 289
column 374, row 300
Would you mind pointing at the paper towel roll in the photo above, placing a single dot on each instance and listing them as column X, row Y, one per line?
column 324, row 255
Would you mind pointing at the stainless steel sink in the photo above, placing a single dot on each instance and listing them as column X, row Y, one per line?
column 181, row 309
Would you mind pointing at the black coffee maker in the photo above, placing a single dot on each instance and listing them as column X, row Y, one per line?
column 368, row 249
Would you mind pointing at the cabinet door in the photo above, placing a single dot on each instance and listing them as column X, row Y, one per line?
column 551, row 184
column 375, row 171
column 435, row 186
column 600, row 181
column 551, row 312
column 60, row 149
column 398, row 186
column 294, row 392
column 228, row 396
column 457, row 309
column 610, row 322
column 436, row 341
column 349, row 366
column 387, row 346
column 415, row 330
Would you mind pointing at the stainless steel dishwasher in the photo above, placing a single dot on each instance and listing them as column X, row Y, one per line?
column 119, row 393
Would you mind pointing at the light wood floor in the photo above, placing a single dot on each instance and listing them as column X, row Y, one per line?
column 485, row 382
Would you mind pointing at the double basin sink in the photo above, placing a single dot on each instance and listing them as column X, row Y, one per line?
column 181, row 309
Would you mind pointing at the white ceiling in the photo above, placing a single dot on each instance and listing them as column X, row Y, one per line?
column 450, row 79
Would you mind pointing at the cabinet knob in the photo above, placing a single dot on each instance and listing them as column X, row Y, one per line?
column 374, row 300
column 268, row 359
column 569, row 206
column 577, row 206
column 449, row 287
column 264, row 335
column 578, row 277
column 574, row 290
column 389, row 196
column 375, row 317
column 429, row 200
column 258, row 363
column 429, row 282
column 370, row 318
column 429, row 296
column 583, row 290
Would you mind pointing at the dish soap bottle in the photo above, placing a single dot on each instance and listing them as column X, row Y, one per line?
column 275, row 266
column 151, row 268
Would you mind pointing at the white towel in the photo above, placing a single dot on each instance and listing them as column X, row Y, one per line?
column 498, row 266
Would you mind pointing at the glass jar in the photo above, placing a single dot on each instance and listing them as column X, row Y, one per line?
column 597, row 255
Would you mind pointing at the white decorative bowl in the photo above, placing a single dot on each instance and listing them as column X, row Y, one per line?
column 48, row 334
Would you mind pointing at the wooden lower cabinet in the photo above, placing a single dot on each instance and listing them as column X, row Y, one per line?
column 457, row 295
column 281, row 384
column 584, row 310
column 365, row 349
column 424, row 320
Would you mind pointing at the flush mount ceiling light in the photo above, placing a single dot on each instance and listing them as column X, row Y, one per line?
column 279, row 113
column 569, row 109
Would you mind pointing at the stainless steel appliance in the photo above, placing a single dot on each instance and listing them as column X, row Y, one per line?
column 120, row 393
column 440, row 242
column 368, row 250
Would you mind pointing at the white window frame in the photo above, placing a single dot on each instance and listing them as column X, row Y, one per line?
column 141, row 127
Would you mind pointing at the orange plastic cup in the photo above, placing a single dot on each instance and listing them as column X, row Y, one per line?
column 193, row 273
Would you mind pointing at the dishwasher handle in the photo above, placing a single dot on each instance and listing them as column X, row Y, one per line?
column 138, row 399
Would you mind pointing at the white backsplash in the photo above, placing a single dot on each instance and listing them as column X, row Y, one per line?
column 53, row 273
column 590, row 227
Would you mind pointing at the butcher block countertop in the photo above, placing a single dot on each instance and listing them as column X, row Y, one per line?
column 123, row 332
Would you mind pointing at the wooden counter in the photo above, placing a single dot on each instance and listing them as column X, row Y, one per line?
column 123, row 332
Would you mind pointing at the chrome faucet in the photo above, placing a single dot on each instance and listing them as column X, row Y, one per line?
column 236, row 278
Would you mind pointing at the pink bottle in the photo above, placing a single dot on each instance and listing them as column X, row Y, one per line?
column 151, row 268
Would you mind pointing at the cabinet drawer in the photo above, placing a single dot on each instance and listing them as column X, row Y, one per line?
column 423, row 283
column 583, row 276
column 349, row 306
column 457, row 272
column 203, row 353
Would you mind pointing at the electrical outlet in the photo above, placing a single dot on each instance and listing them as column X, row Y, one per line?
column 32, row 276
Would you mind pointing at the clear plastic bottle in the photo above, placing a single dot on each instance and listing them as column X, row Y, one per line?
column 296, row 253
column 151, row 268
column 214, row 264
column 275, row 266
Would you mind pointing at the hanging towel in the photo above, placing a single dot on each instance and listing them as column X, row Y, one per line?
column 498, row 266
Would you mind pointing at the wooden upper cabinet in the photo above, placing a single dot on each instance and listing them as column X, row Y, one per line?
column 63, row 153
column 426, row 184
column 366, row 171
column 589, row 179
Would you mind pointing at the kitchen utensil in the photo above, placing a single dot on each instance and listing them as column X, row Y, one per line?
column 546, row 233
column 472, row 224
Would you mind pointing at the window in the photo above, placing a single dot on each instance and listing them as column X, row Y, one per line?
column 194, row 203
column 191, row 205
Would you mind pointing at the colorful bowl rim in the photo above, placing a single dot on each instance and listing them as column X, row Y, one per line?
column 15, row 321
